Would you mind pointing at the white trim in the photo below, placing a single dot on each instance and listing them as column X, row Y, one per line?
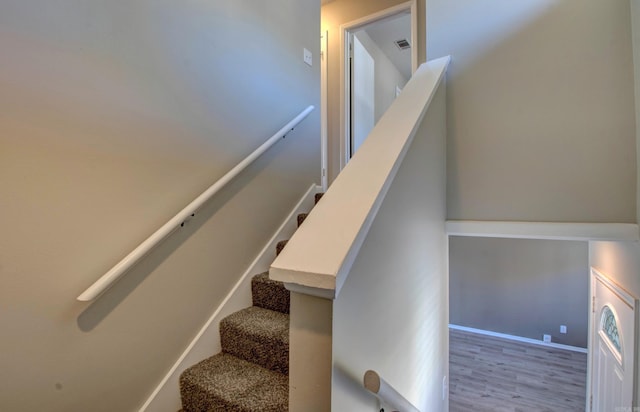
column 626, row 297
column 544, row 230
column 307, row 290
column 379, row 15
column 324, row 121
column 345, row 114
column 345, row 28
column 518, row 338
column 207, row 342
column 414, row 36
column 590, row 347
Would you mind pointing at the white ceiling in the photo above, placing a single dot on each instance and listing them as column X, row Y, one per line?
column 385, row 32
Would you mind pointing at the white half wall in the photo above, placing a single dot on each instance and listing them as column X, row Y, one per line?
column 391, row 314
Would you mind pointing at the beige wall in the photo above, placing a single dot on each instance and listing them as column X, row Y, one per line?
column 334, row 14
column 114, row 115
column 635, row 25
column 391, row 314
column 540, row 108
column 521, row 287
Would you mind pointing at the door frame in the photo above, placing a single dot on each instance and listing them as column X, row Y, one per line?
column 362, row 97
column 324, row 121
column 628, row 299
column 345, row 73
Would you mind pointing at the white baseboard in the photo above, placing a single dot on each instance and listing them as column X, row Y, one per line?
column 166, row 396
column 544, row 230
column 518, row 338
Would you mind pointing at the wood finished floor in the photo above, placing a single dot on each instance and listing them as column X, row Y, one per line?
column 489, row 374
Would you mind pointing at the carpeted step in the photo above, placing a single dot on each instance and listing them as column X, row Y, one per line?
column 280, row 246
column 226, row 383
column 269, row 294
column 251, row 373
column 257, row 335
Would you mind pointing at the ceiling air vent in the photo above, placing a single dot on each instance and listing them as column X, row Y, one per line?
column 402, row 44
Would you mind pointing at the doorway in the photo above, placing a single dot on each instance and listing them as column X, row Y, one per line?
column 519, row 318
column 610, row 314
column 377, row 59
column 362, row 92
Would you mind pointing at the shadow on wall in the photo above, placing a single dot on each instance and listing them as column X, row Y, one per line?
column 103, row 305
column 523, row 125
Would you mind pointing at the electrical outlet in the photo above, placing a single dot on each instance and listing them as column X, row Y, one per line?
column 546, row 338
column 307, row 57
column 563, row 328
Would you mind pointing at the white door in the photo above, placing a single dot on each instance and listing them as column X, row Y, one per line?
column 362, row 94
column 613, row 345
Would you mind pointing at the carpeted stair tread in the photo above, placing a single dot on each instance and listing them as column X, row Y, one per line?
column 226, row 383
column 251, row 372
column 280, row 246
column 257, row 335
column 269, row 294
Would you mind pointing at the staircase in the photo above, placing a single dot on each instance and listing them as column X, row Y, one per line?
column 251, row 374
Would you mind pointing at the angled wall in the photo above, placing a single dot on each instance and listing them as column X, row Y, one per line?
column 114, row 115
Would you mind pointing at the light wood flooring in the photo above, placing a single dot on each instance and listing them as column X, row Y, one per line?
column 490, row 374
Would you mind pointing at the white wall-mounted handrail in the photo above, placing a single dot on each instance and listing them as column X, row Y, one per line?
column 139, row 252
column 386, row 393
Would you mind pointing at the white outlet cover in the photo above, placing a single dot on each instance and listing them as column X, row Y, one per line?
column 546, row 338
column 308, row 57
column 445, row 388
column 563, row 328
